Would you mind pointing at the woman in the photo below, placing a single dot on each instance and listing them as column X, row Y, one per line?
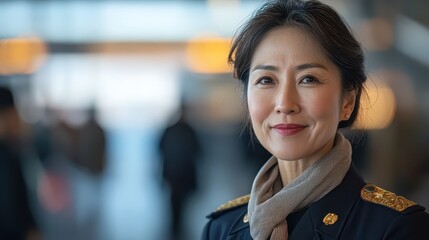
column 303, row 74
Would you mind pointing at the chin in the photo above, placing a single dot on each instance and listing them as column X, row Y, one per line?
column 285, row 151
column 288, row 156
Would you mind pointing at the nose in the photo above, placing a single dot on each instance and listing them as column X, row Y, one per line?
column 286, row 100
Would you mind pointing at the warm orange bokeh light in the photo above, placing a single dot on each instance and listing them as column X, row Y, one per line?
column 21, row 55
column 208, row 55
column 378, row 107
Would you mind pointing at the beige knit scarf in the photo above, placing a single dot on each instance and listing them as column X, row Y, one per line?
column 270, row 203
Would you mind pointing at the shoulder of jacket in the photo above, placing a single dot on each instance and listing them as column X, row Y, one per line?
column 232, row 204
column 374, row 194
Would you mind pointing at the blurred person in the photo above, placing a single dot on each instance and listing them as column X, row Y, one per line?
column 179, row 148
column 303, row 75
column 84, row 145
column 91, row 145
column 90, row 159
column 16, row 218
column 71, row 145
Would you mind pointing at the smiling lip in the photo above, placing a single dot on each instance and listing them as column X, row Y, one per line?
column 288, row 129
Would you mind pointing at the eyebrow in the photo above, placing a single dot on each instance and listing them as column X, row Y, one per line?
column 299, row 67
column 265, row 67
column 310, row 65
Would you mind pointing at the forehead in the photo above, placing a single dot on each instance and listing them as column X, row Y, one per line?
column 289, row 43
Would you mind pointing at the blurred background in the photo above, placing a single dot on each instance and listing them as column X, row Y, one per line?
column 123, row 120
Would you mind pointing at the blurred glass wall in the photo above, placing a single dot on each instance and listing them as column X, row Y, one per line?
column 97, row 82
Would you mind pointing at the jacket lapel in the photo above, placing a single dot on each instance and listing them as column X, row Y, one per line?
column 326, row 217
column 240, row 229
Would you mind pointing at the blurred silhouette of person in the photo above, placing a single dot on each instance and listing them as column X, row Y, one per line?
column 85, row 147
column 91, row 144
column 91, row 159
column 71, row 147
column 16, row 219
column 179, row 147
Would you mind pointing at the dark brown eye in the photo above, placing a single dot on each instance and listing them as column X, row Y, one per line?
column 264, row 81
column 309, row 80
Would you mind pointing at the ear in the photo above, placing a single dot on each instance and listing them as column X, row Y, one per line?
column 348, row 105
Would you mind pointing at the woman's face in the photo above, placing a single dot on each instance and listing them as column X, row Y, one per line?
column 294, row 94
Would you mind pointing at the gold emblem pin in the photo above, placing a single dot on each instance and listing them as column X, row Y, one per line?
column 330, row 218
column 246, row 218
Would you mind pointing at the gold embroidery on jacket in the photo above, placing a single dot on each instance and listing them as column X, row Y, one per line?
column 234, row 203
column 372, row 193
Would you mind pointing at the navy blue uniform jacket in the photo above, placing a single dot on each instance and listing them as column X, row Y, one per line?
column 357, row 218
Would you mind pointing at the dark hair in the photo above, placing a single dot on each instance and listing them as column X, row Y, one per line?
column 316, row 18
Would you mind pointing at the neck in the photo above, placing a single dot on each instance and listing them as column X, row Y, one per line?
column 291, row 169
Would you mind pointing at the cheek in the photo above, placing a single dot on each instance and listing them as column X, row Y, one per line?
column 325, row 106
column 254, row 109
column 258, row 110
